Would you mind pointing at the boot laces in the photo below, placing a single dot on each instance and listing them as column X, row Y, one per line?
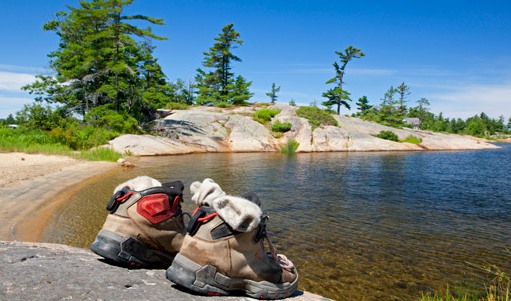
column 280, row 259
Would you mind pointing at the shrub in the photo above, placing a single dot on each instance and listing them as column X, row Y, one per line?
column 104, row 116
column 98, row 154
column 177, row 106
column 265, row 115
column 290, row 147
column 412, row 139
column 30, row 141
column 281, row 127
column 316, row 116
column 388, row 135
column 38, row 117
column 82, row 137
column 223, row 104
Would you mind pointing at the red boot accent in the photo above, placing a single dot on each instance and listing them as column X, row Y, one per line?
column 155, row 208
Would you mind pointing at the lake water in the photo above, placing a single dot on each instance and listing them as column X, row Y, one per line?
column 359, row 226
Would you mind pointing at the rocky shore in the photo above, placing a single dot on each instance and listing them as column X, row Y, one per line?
column 211, row 129
column 40, row 271
column 32, row 186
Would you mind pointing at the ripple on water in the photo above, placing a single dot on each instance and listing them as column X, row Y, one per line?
column 365, row 226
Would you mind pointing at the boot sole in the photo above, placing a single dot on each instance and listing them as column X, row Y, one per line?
column 128, row 252
column 206, row 280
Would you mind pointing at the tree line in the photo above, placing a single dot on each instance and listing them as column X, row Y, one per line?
column 105, row 72
column 394, row 111
column 105, row 65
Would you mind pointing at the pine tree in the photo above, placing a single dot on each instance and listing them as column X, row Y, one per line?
column 338, row 96
column 98, row 58
column 156, row 91
column 363, row 105
column 273, row 93
column 220, row 84
column 404, row 91
column 422, row 109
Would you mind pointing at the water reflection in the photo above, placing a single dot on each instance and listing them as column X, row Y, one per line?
column 371, row 226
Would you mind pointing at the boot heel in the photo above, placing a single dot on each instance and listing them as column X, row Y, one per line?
column 128, row 251
column 189, row 274
column 108, row 245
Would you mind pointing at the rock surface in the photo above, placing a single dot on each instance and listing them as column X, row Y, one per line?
column 211, row 129
column 41, row 271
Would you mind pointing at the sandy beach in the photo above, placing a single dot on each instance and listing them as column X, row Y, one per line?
column 32, row 186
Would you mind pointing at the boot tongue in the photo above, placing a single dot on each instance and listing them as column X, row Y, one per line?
column 138, row 184
column 242, row 214
column 239, row 213
column 204, row 193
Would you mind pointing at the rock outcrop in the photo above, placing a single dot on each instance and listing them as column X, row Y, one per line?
column 211, row 129
column 41, row 271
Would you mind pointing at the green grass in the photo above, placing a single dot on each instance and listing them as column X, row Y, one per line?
column 498, row 289
column 30, row 142
column 265, row 115
column 98, row 154
column 224, row 104
column 316, row 116
column 460, row 294
column 177, row 106
column 280, row 127
column 35, row 141
column 388, row 135
column 412, row 139
column 290, row 147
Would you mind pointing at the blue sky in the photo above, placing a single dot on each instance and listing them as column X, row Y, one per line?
column 457, row 54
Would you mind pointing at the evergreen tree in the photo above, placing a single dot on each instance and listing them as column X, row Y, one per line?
column 183, row 92
column 404, row 91
column 239, row 92
column 363, row 106
column 10, row 119
column 337, row 95
column 273, row 93
column 220, row 84
column 153, row 84
column 476, row 126
column 388, row 97
column 98, row 60
column 389, row 112
column 422, row 110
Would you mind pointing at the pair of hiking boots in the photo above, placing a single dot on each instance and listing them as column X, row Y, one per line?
column 224, row 250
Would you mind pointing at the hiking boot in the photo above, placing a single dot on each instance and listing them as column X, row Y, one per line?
column 145, row 227
column 227, row 251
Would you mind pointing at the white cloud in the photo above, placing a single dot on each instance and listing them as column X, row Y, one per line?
column 467, row 101
column 10, row 105
column 315, row 69
column 371, row 71
column 24, row 69
column 11, row 81
column 12, row 78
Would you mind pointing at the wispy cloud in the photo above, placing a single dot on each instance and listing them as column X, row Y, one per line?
column 12, row 78
column 312, row 69
column 469, row 100
column 11, row 81
column 371, row 71
column 10, row 105
column 23, row 69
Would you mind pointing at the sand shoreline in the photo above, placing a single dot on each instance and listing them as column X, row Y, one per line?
column 32, row 186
